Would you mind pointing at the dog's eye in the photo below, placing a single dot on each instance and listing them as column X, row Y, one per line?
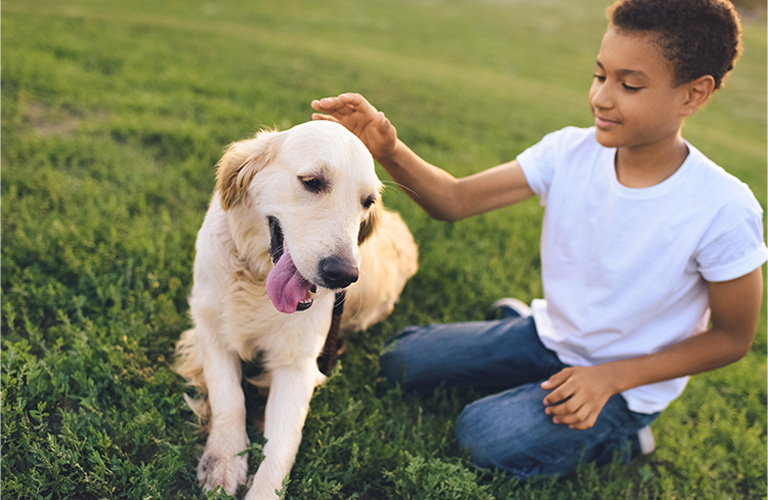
column 313, row 184
column 368, row 202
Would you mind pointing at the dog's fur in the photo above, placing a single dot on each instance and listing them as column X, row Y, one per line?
column 317, row 181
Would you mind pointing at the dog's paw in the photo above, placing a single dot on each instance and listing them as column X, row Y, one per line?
column 225, row 469
column 262, row 491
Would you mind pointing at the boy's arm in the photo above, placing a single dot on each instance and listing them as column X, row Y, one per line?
column 735, row 307
column 447, row 198
column 443, row 196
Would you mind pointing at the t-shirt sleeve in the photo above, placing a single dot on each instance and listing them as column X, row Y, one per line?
column 734, row 253
column 541, row 161
column 538, row 164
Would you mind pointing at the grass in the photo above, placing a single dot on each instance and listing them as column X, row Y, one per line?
column 113, row 115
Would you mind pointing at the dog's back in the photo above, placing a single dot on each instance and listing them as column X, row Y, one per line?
column 388, row 259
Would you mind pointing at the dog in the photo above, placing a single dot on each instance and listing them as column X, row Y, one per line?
column 295, row 217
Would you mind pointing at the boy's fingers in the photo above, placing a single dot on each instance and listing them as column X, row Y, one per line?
column 557, row 397
column 561, row 391
column 383, row 122
column 346, row 105
column 357, row 102
column 321, row 103
column 553, row 397
column 574, row 422
column 566, row 418
column 555, row 380
column 328, row 104
column 580, row 420
column 320, row 116
column 353, row 98
column 560, row 401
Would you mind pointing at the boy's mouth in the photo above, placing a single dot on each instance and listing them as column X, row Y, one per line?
column 603, row 123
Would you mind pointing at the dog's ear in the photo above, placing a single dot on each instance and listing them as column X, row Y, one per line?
column 239, row 165
column 369, row 224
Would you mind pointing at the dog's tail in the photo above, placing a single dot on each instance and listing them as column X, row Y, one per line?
column 189, row 364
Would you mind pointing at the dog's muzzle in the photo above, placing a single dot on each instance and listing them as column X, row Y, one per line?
column 275, row 239
column 277, row 250
column 337, row 273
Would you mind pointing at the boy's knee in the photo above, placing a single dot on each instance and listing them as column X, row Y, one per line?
column 399, row 360
column 393, row 365
column 496, row 438
column 477, row 433
column 396, row 357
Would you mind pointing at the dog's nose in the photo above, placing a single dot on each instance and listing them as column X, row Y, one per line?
column 337, row 273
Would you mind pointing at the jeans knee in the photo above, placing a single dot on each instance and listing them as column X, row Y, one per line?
column 392, row 365
column 495, row 438
column 399, row 359
column 475, row 436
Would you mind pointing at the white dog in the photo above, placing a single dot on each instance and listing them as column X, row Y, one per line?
column 296, row 216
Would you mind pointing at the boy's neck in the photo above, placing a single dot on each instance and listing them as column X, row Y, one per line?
column 646, row 166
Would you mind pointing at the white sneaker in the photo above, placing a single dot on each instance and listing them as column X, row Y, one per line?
column 647, row 442
column 509, row 307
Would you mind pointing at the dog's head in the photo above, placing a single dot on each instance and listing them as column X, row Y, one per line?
column 316, row 189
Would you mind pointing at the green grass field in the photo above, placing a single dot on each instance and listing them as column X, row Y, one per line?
column 113, row 115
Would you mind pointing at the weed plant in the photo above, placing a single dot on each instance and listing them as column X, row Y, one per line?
column 113, row 116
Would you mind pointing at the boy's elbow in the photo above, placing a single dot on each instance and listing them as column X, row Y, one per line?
column 446, row 209
column 454, row 206
column 743, row 349
column 448, row 213
column 741, row 345
column 444, row 215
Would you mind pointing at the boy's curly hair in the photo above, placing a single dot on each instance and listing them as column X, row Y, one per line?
column 699, row 37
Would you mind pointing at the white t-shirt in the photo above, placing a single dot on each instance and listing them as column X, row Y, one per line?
column 624, row 269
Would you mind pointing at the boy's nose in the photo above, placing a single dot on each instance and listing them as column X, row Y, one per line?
column 600, row 96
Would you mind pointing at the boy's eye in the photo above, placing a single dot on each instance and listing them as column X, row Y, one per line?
column 630, row 88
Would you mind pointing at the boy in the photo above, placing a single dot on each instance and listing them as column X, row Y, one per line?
column 645, row 241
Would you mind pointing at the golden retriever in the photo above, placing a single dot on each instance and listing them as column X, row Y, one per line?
column 296, row 216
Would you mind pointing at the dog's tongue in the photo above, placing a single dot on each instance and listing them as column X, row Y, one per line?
column 286, row 286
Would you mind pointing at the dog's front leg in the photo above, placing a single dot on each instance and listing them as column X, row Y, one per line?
column 220, row 464
column 287, row 407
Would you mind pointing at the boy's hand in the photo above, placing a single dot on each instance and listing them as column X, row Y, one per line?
column 578, row 395
column 359, row 116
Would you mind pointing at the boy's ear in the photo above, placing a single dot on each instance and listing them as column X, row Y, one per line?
column 698, row 93
column 239, row 165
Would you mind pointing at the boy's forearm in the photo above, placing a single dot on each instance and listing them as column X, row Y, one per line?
column 578, row 394
column 429, row 186
column 735, row 307
column 447, row 198
column 707, row 351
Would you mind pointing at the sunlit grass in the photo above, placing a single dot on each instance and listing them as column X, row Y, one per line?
column 113, row 115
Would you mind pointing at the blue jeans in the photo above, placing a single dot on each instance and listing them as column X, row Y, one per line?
column 509, row 429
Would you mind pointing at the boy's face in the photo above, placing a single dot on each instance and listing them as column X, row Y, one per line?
column 633, row 100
